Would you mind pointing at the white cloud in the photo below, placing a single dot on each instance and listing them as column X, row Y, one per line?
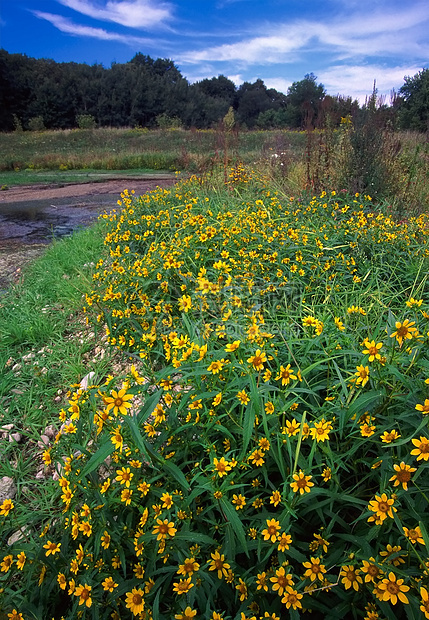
column 278, row 83
column 67, row 26
column 260, row 50
column 384, row 33
column 130, row 13
column 237, row 78
column 380, row 33
column 358, row 80
column 209, row 72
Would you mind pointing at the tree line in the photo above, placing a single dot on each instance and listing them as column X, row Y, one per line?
column 147, row 92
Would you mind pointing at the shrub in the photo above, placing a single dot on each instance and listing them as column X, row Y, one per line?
column 17, row 124
column 86, row 121
column 266, row 452
column 36, row 124
column 164, row 121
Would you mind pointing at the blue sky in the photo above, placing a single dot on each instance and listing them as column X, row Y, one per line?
column 347, row 43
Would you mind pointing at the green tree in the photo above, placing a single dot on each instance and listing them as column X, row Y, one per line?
column 209, row 101
column 254, row 99
column 304, row 99
column 414, row 107
column 219, row 87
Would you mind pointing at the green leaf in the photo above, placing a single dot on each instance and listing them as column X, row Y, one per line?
column 176, row 473
column 296, row 555
column 248, row 426
column 194, row 537
column 149, row 406
column 231, row 516
column 341, row 379
column 97, row 458
column 359, row 406
column 141, row 443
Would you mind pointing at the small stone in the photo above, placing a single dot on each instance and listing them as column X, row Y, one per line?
column 17, row 536
column 40, row 475
column 15, row 437
column 6, row 427
column 28, row 357
column 7, row 489
column 87, row 380
column 44, row 440
column 50, row 431
column 16, row 367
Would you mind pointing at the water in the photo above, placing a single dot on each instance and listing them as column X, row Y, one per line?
column 39, row 221
column 27, row 227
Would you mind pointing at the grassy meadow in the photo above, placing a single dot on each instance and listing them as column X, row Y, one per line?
column 252, row 441
column 139, row 149
column 390, row 166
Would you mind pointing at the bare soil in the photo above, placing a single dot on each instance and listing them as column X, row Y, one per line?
column 26, row 193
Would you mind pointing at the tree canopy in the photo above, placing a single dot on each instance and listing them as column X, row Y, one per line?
column 41, row 93
column 414, row 107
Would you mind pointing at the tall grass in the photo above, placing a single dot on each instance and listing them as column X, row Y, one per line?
column 364, row 157
column 128, row 148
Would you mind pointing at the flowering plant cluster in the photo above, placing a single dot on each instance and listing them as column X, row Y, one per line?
column 267, row 453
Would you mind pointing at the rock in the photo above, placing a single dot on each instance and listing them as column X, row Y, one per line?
column 28, row 357
column 21, row 534
column 50, row 431
column 16, row 367
column 7, row 489
column 15, row 437
column 87, row 380
column 44, row 441
column 6, row 427
column 17, row 536
column 99, row 352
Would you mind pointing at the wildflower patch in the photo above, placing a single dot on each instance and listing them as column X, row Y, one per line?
column 267, row 454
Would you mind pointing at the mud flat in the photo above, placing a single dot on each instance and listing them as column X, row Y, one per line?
column 31, row 216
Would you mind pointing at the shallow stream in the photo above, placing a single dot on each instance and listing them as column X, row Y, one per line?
column 27, row 227
column 31, row 217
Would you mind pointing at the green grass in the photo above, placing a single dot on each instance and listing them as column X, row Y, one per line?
column 113, row 149
column 45, row 346
column 294, row 160
column 41, row 318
